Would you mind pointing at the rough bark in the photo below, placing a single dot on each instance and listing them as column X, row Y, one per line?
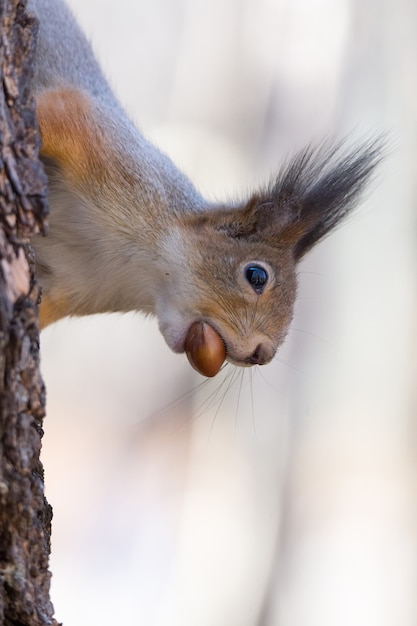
column 25, row 515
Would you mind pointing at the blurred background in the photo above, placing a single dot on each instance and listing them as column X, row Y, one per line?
column 283, row 495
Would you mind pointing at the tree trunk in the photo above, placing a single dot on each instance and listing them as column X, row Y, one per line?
column 25, row 516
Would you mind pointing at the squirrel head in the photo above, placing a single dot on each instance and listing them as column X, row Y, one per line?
column 221, row 280
column 233, row 269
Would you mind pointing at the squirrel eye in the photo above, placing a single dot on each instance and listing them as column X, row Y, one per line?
column 257, row 277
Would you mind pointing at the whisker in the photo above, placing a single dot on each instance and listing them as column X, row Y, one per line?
column 240, row 375
column 264, row 378
column 231, row 383
column 289, row 365
column 182, row 399
column 253, row 373
column 311, row 273
column 209, row 402
column 306, row 332
column 309, row 298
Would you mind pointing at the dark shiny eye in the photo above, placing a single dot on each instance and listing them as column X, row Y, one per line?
column 257, row 277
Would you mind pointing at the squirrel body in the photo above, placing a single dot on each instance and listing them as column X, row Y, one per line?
column 128, row 231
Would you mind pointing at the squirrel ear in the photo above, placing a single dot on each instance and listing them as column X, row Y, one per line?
column 258, row 219
column 319, row 188
column 313, row 193
column 68, row 131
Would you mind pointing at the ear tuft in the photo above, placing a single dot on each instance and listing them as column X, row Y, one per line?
column 312, row 194
column 321, row 186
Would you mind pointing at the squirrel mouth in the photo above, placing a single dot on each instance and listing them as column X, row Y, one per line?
column 207, row 350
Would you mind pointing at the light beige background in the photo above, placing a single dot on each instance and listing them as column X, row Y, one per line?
column 283, row 496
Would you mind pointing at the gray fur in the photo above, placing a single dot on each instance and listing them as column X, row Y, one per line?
column 140, row 237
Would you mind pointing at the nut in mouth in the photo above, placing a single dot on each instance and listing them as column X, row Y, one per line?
column 205, row 348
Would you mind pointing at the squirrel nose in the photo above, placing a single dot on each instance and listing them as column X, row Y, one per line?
column 259, row 356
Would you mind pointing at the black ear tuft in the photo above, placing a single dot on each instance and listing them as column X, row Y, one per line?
column 320, row 186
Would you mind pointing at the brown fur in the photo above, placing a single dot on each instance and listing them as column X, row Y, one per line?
column 71, row 134
column 129, row 232
column 52, row 310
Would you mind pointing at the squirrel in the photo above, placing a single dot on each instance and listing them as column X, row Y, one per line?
column 128, row 231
